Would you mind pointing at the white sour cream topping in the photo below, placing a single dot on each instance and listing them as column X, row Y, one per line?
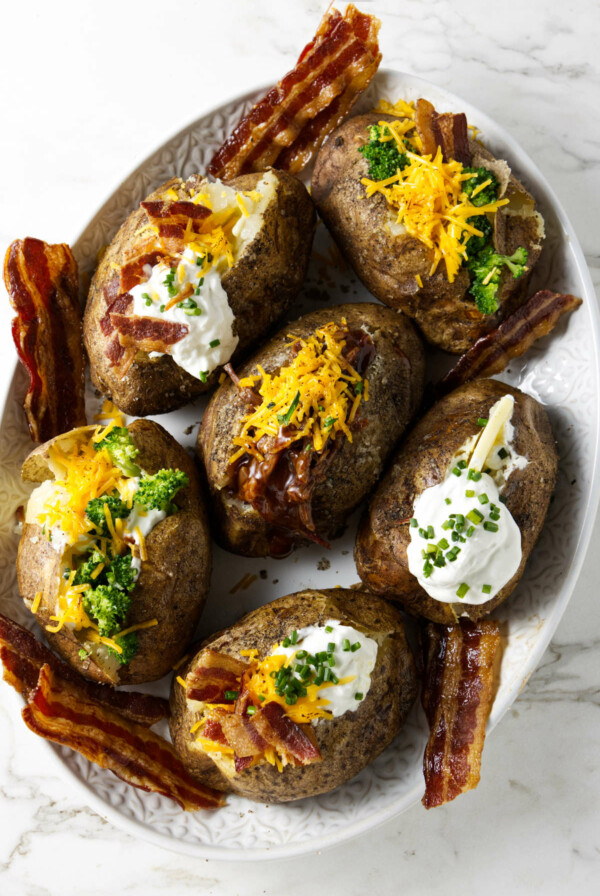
column 210, row 341
column 358, row 663
column 488, row 557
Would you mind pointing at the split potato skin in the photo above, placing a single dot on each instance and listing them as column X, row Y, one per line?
column 260, row 288
column 347, row 743
column 423, row 460
column 173, row 581
column 388, row 265
column 395, row 378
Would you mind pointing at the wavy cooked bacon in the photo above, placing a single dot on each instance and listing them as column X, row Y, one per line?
column 492, row 353
column 62, row 712
column 23, row 656
column 218, row 673
column 457, row 697
column 447, row 130
column 43, row 286
column 287, row 126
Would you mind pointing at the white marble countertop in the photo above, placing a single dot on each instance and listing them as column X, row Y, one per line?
column 87, row 91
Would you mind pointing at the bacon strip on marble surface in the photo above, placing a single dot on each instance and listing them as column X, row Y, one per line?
column 63, row 713
column 23, row 656
column 286, row 127
column 493, row 352
column 447, row 130
column 458, row 692
column 43, row 286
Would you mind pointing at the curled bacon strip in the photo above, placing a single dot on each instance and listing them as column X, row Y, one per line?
column 23, row 656
column 43, row 286
column 457, row 698
column 61, row 712
column 287, row 126
column 492, row 353
column 448, row 131
column 218, row 673
column 172, row 217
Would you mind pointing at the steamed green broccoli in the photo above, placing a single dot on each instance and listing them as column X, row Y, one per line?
column 120, row 573
column 383, row 156
column 475, row 244
column 108, row 606
column 157, row 492
column 84, row 573
column 480, row 176
column 94, row 510
column 119, row 445
column 485, row 269
column 130, row 646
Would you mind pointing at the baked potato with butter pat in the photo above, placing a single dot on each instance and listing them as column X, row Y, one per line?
column 195, row 277
column 463, row 554
column 301, row 437
column 115, row 555
column 396, row 265
column 325, row 733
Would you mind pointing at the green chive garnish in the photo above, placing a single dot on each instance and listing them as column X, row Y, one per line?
column 456, row 471
column 358, row 696
column 475, row 516
column 231, row 695
column 474, row 475
column 285, row 418
column 470, row 493
column 430, row 532
column 328, row 628
column 414, row 522
column 487, row 589
column 442, row 544
column 355, row 647
column 482, row 421
column 483, row 499
column 346, row 644
column 490, row 527
column 461, row 464
column 502, row 453
column 203, row 376
column 462, row 590
column 214, row 343
column 448, row 500
column 162, row 308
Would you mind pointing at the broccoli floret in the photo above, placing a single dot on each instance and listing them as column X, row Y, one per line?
column 122, row 451
column 475, row 244
column 480, row 175
column 485, row 269
column 120, row 573
column 94, row 510
column 108, row 606
column 383, row 157
column 157, row 492
column 84, row 573
column 130, row 646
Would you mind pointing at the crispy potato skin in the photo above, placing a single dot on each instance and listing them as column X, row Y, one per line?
column 395, row 388
column 347, row 743
column 260, row 288
column 422, row 462
column 388, row 265
column 173, row 582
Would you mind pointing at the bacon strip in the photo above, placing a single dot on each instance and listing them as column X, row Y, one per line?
column 285, row 735
column 492, row 353
column 23, row 656
column 457, row 698
column 147, row 334
column 43, row 286
column 448, row 131
column 61, row 712
column 218, row 673
column 172, row 218
column 287, row 126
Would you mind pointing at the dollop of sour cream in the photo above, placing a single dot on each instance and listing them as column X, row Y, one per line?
column 464, row 542
column 351, row 661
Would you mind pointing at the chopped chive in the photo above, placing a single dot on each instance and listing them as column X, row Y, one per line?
column 431, row 549
column 251, row 710
column 494, row 514
column 291, row 699
column 285, row 418
column 487, row 589
column 162, row 307
column 470, row 531
column 448, row 500
column 358, row 388
column 294, row 637
column 475, row 516
column 474, row 475
column 358, row 696
column 346, row 644
column 502, row 499
column 442, row 544
column 449, row 524
column 456, row 471
column 199, row 260
column 328, row 629
column 430, row 532
column 470, row 493
column 301, row 654
column 427, row 569
column 355, row 646
column 331, row 647
column 483, row 499
column 231, row 695
column 462, row 590
column 193, row 312
column 327, row 673
column 414, row 522
column 214, row 343
column 461, row 464
column 148, row 301
column 482, row 421
column 286, row 642
column 423, row 533
column 502, row 453
column 203, row 376
column 490, row 527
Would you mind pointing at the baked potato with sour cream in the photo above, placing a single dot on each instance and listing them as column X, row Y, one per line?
column 396, row 266
column 255, row 246
column 154, row 575
column 319, row 457
column 456, row 456
column 356, row 728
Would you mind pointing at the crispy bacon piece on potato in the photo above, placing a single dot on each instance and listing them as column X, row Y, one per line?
column 287, row 126
column 447, row 130
column 460, row 666
column 43, row 287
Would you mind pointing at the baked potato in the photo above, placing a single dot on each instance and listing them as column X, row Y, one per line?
column 115, row 565
column 460, row 447
column 348, row 732
column 221, row 280
column 399, row 268
column 301, row 437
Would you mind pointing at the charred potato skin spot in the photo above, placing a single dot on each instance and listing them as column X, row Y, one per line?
column 395, row 387
column 422, row 462
column 173, row 582
column 388, row 265
column 260, row 288
column 347, row 743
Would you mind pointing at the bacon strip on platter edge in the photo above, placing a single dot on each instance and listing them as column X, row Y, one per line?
column 43, row 285
column 23, row 656
column 493, row 352
column 62, row 712
column 330, row 74
column 458, row 692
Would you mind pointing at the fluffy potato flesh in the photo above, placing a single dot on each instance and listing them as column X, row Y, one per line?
column 173, row 582
column 348, row 742
column 395, row 377
column 390, row 263
column 260, row 287
column 423, row 461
